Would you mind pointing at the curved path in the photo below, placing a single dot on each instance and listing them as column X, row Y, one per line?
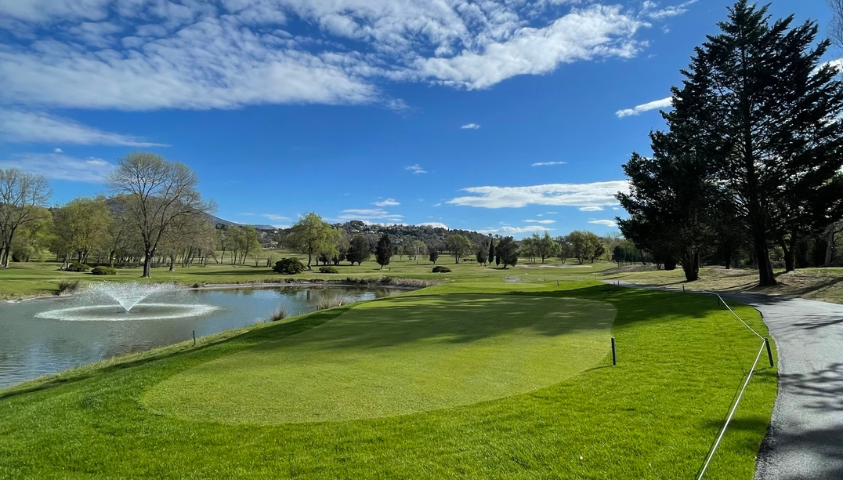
column 805, row 440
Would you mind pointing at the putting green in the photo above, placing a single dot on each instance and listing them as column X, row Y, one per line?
column 396, row 357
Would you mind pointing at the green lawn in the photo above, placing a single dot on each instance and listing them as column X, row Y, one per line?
column 681, row 359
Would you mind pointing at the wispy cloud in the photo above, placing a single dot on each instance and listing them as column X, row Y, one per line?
column 509, row 230
column 39, row 127
column 370, row 215
column 470, row 126
column 543, row 222
column 591, row 208
column 274, row 217
column 416, row 169
column 571, row 194
column 639, row 109
column 548, row 164
column 651, row 10
column 56, row 166
column 389, row 202
column 606, row 223
column 58, row 150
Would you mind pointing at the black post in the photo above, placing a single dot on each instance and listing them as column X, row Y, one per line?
column 557, row 283
column 769, row 352
column 683, row 288
column 194, row 338
column 614, row 354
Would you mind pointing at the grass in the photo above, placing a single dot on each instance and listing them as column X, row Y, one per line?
column 681, row 359
column 396, row 357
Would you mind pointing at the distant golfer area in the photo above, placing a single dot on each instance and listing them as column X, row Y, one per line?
column 396, row 357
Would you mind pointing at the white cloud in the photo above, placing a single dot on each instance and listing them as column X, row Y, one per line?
column 146, row 55
column 672, row 11
column 274, row 217
column 591, row 208
column 548, row 164
column 434, row 225
column 369, row 215
column 571, row 195
column 58, row 150
column 470, row 126
column 543, row 222
column 508, row 230
column 639, row 109
column 40, row 127
column 55, row 166
column 389, row 202
column 416, row 169
column 606, row 223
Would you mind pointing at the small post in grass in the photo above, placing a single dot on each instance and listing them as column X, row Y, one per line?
column 769, row 352
column 557, row 283
column 614, row 354
column 683, row 288
column 194, row 338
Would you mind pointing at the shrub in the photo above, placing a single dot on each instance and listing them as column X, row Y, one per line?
column 279, row 314
column 103, row 271
column 77, row 267
column 328, row 270
column 68, row 286
column 288, row 266
column 441, row 269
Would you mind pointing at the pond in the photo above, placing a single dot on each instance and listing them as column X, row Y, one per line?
column 48, row 335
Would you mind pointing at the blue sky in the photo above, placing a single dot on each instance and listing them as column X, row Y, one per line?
column 507, row 117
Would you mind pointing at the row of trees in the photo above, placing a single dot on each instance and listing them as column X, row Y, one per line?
column 752, row 151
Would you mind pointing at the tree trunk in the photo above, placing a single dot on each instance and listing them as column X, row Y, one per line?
column 789, row 248
column 765, row 268
column 669, row 264
column 829, row 248
column 147, row 265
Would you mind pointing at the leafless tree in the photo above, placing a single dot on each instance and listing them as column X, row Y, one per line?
column 20, row 195
column 157, row 194
column 836, row 26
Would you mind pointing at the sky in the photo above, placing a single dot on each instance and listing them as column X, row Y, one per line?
column 507, row 117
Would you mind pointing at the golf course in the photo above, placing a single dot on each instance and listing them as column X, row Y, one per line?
column 492, row 372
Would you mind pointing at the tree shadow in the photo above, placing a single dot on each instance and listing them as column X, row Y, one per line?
column 824, row 387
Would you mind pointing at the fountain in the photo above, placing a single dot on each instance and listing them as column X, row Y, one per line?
column 125, row 303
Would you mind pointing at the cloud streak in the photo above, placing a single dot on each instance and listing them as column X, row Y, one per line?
column 56, row 166
column 571, row 194
column 470, row 126
column 547, row 164
column 417, row 169
column 389, row 202
column 21, row 126
column 646, row 107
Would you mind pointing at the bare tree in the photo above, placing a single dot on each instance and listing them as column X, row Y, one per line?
column 21, row 194
column 157, row 193
column 836, row 26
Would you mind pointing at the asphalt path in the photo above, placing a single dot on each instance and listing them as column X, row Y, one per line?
column 805, row 439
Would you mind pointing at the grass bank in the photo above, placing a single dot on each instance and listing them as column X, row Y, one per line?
column 681, row 359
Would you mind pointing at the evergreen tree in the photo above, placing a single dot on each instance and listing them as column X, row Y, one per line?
column 434, row 255
column 508, row 251
column 770, row 114
column 491, row 249
column 358, row 250
column 383, row 252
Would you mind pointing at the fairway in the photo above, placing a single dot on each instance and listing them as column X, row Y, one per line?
column 395, row 357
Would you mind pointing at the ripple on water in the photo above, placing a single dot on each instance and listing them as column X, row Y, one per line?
column 116, row 313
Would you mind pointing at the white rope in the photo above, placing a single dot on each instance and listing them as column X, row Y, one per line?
column 739, row 318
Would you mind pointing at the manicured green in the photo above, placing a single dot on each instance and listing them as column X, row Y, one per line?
column 396, row 357
column 681, row 359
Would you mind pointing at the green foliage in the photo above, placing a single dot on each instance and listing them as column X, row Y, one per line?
column 434, row 255
column 383, row 252
column 507, row 251
column 459, row 246
column 358, row 250
column 441, row 269
column 328, row 270
column 311, row 235
column 103, row 271
column 288, row 266
column 78, row 267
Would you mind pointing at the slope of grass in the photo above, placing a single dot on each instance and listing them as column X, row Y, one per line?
column 681, row 359
column 396, row 357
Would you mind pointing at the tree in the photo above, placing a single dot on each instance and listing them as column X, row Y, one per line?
column 156, row 193
column 419, row 248
column 35, row 237
column 507, row 251
column 21, row 194
column 383, row 252
column 491, row 256
column 546, row 246
column 358, row 250
column 459, row 246
column 83, row 225
column 434, row 255
column 528, row 247
column 836, row 26
column 310, row 235
column 771, row 114
column 482, row 254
